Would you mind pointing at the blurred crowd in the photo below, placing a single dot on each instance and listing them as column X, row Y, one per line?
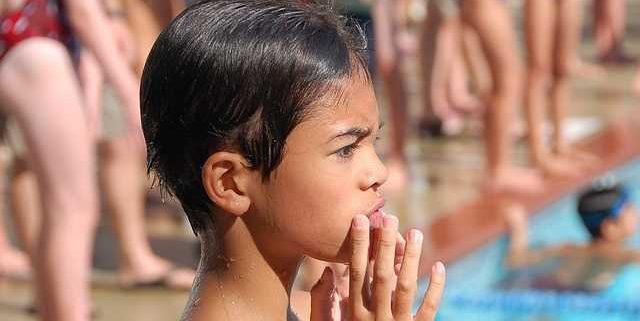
column 69, row 82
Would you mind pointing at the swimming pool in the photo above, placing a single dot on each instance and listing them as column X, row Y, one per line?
column 473, row 283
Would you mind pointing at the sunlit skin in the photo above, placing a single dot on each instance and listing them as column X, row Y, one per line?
column 321, row 201
column 329, row 173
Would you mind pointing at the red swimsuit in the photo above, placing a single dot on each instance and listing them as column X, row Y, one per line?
column 36, row 18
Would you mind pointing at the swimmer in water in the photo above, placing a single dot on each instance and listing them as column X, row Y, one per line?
column 609, row 216
column 260, row 117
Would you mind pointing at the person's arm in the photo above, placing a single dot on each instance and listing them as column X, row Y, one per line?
column 519, row 254
column 90, row 24
column 516, row 219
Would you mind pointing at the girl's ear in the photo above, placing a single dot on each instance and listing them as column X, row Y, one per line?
column 226, row 177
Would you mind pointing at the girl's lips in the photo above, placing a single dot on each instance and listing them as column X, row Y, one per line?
column 375, row 219
column 376, row 214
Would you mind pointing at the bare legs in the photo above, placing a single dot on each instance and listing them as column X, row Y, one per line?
column 56, row 134
column 491, row 21
column 389, row 66
column 25, row 204
column 13, row 262
column 440, row 40
column 552, row 29
column 122, row 181
column 609, row 24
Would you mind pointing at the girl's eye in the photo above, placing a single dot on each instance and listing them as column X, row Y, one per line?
column 347, row 151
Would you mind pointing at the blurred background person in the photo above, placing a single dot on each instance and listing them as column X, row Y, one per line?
column 609, row 24
column 494, row 26
column 39, row 52
column 447, row 97
column 121, row 167
column 14, row 262
column 552, row 30
column 392, row 41
column 146, row 19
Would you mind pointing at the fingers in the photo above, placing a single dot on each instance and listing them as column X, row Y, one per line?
column 408, row 276
column 429, row 307
column 322, row 295
column 358, row 265
column 400, row 248
column 384, row 273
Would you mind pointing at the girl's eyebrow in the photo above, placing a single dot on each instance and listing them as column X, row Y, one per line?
column 357, row 132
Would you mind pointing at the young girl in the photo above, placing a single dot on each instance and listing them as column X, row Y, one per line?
column 260, row 118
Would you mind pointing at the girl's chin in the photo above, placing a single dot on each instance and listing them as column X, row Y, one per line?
column 341, row 256
column 336, row 251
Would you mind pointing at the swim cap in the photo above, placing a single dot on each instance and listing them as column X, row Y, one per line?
column 597, row 204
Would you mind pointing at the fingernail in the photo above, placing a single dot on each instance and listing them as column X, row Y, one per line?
column 415, row 236
column 359, row 221
column 439, row 268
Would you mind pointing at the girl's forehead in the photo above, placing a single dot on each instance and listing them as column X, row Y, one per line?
column 356, row 110
column 355, row 103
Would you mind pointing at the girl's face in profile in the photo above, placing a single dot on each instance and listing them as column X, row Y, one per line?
column 329, row 173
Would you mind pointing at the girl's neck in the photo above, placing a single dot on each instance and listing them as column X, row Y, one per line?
column 240, row 280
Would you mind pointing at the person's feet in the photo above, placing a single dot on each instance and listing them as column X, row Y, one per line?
column 582, row 159
column 515, row 180
column 557, row 167
column 157, row 272
column 618, row 57
column 14, row 264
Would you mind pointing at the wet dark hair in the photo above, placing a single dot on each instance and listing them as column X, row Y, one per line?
column 239, row 75
column 598, row 204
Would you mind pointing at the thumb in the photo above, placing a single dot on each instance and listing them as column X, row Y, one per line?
column 322, row 297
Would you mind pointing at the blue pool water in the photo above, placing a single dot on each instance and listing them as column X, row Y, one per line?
column 473, row 291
